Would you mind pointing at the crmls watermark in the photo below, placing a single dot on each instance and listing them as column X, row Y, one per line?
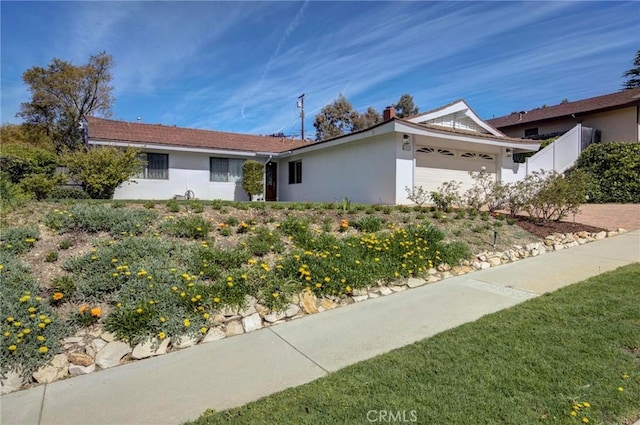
column 392, row 416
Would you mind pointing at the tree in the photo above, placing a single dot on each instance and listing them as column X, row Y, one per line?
column 366, row 120
column 335, row 119
column 405, row 107
column 633, row 74
column 252, row 173
column 101, row 170
column 63, row 94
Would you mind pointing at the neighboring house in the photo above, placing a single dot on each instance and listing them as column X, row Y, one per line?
column 373, row 165
column 616, row 116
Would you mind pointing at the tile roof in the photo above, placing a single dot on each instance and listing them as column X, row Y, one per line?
column 594, row 104
column 120, row 131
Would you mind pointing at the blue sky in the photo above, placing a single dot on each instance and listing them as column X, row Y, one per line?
column 240, row 66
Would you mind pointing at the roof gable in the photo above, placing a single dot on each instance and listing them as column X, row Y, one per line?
column 610, row 101
column 138, row 133
column 458, row 116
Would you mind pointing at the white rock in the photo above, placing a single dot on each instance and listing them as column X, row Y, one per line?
column 229, row 311
column 252, row 322
column 611, row 234
column 185, row 341
column 214, row 334
column 233, row 327
column 72, row 339
column 385, row 291
column 433, row 279
column 558, row 247
column 360, row 298
column 56, row 369
column 108, row 336
column 397, row 288
column 12, row 382
column 373, row 295
column 292, row 310
column 150, row 347
column 600, row 235
column 360, row 291
column 446, row 275
column 77, row 370
column 112, row 353
column 495, row 261
column 484, row 265
column 414, row 282
column 247, row 311
column 274, row 316
column 98, row 344
column 620, row 230
column 432, row 271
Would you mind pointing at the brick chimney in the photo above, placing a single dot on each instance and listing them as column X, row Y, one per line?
column 388, row 113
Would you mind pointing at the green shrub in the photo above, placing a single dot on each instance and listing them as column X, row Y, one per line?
column 173, row 206
column 264, row 242
column 101, row 170
column 196, row 206
column 252, row 178
column 17, row 240
column 68, row 193
column 30, row 330
column 447, row 195
column 65, row 244
column 194, row 227
column 40, row 186
column 614, row 172
column 296, row 228
column 20, row 161
column 554, row 196
column 51, row 257
column 369, row 224
column 149, row 204
column 98, row 218
column 11, row 195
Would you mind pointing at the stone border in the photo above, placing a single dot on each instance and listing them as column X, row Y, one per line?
column 92, row 349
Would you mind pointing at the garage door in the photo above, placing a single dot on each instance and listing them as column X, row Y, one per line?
column 437, row 165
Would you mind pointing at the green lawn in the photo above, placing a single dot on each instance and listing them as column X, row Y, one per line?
column 528, row 364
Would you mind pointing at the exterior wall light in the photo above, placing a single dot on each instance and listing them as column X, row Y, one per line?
column 406, row 144
column 508, row 152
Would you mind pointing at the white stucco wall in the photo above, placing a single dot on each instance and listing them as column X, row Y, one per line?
column 187, row 171
column 363, row 171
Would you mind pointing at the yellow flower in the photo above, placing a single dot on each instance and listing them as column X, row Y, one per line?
column 42, row 325
column 26, row 330
column 275, row 295
column 58, row 296
column 96, row 312
column 230, row 284
column 203, row 330
column 43, row 349
column 12, row 347
column 620, row 389
column 10, row 319
column 205, row 315
column 7, row 333
column 162, row 319
column 162, row 335
column 585, row 420
column 327, row 279
column 40, row 338
column 114, row 260
column 216, row 300
column 574, row 413
column 31, row 309
column 186, row 323
column 139, row 310
column 625, row 376
column 586, row 404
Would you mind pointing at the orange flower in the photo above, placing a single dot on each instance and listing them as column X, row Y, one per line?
column 344, row 224
column 83, row 308
column 58, row 296
column 96, row 312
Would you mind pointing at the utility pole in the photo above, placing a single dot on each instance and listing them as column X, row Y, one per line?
column 300, row 105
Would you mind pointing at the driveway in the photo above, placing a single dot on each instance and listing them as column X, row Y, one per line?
column 609, row 216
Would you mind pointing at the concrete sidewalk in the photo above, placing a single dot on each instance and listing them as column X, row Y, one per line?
column 179, row 386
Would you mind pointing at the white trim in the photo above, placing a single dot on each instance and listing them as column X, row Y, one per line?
column 174, row 148
column 460, row 106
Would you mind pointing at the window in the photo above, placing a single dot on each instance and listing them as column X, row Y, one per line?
column 156, row 166
column 225, row 170
column 295, row 172
column 530, row 132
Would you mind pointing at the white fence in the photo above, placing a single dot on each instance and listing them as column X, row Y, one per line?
column 559, row 155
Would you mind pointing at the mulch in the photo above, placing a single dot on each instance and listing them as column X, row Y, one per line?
column 546, row 228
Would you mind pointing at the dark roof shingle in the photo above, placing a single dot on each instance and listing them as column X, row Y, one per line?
column 593, row 104
column 101, row 129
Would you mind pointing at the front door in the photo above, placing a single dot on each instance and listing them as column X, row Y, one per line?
column 271, row 178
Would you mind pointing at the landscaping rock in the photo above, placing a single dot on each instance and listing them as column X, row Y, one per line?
column 112, row 353
column 328, row 304
column 252, row 322
column 98, row 344
column 214, row 334
column 360, row 291
column 77, row 370
column 72, row 340
column 600, row 235
column 360, row 298
column 12, row 381
column 233, row 327
column 292, row 310
column 620, row 230
column 612, row 234
column 274, row 316
column 185, row 341
column 150, row 347
column 108, row 336
column 218, row 319
column 308, row 302
column 414, row 282
column 460, row 270
column 55, row 370
column 397, row 288
column 229, row 311
column 385, row 290
column 80, row 359
column 372, row 295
